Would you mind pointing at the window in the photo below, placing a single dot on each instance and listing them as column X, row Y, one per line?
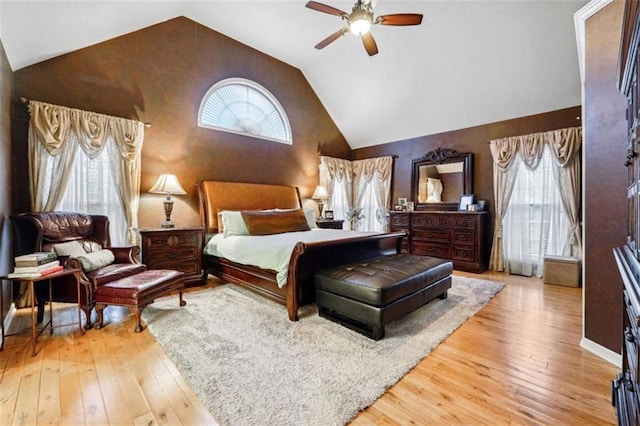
column 91, row 190
column 535, row 223
column 243, row 106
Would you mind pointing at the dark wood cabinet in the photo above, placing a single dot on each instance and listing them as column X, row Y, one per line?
column 179, row 249
column 330, row 223
column 625, row 385
column 458, row 236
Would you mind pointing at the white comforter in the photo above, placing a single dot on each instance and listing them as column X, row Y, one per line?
column 271, row 251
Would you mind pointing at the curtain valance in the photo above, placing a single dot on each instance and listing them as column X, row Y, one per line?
column 52, row 123
column 564, row 144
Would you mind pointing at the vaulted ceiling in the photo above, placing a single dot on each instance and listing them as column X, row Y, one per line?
column 469, row 63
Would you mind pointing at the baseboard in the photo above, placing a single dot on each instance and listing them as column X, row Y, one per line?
column 604, row 353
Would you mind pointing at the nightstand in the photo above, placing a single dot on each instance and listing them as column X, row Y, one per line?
column 329, row 223
column 179, row 249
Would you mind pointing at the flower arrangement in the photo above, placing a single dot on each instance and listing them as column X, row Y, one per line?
column 354, row 215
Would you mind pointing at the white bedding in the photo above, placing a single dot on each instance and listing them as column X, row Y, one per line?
column 271, row 251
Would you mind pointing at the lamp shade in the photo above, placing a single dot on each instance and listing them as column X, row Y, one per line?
column 167, row 184
column 320, row 193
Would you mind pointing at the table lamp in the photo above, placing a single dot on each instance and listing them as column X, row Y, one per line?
column 167, row 184
column 320, row 195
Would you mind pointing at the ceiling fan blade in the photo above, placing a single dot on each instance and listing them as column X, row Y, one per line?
column 320, row 7
column 369, row 44
column 333, row 37
column 400, row 19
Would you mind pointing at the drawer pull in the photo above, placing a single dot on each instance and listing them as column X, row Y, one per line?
column 173, row 255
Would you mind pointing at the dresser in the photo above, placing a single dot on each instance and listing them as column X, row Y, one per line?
column 458, row 236
column 626, row 383
column 179, row 249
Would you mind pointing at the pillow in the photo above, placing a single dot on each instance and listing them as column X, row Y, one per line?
column 275, row 222
column 220, row 222
column 233, row 223
column 309, row 214
column 71, row 249
column 96, row 260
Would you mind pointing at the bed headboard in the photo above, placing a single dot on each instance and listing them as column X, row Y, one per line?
column 216, row 196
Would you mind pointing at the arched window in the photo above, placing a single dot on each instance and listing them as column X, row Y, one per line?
column 238, row 105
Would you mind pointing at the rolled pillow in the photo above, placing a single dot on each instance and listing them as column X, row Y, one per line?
column 96, row 260
column 309, row 214
column 275, row 222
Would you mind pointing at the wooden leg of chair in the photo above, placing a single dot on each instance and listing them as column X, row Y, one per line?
column 137, row 312
column 87, row 314
column 99, row 309
column 443, row 296
column 182, row 302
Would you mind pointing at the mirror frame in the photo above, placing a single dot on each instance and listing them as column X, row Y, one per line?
column 442, row 156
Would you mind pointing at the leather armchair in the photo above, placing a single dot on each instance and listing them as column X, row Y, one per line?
column 41, row 231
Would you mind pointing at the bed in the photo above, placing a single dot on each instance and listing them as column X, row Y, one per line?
column 306, row 257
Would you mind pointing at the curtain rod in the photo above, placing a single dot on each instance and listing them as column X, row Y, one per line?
column 26, row 102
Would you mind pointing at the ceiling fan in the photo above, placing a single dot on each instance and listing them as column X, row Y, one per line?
column 360, row 21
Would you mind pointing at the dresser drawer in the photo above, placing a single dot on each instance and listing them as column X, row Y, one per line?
column 433, row 235
column 466, row 253
column 464, row 222
column 431, row 221
column 424, row 248
column 400, row 220
column 463, row 237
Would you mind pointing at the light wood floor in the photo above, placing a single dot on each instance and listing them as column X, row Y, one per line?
column 518, row 361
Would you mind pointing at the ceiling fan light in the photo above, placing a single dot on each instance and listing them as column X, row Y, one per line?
column 360, row 22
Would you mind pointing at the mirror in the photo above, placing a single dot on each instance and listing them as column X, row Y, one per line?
column 440, row 178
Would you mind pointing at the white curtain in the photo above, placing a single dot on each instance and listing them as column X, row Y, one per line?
column 57, row 135
column 518, row 156
column 535, row 223
column 361, row 183
column 336, row 175
column 91, row 189
column 372, row 188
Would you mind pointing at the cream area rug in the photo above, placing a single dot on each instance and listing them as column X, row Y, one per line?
column 250, row 365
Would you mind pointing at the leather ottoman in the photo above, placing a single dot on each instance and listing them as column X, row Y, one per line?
column 367, row 295
column 137, row 291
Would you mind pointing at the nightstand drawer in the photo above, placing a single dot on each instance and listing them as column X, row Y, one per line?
column 188, row 267
column 161, row 241
column 172, row 253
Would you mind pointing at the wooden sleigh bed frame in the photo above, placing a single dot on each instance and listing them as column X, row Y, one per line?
column 306, row 259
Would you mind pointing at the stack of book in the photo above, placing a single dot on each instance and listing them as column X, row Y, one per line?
column 34, row 265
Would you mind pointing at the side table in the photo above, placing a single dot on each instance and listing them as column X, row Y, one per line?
column 329, row 223
column 31, row 282
column 179, row 249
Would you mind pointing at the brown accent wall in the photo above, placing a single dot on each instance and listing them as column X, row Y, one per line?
column 605, row 178
column 159, row 75
column 474, row 139
column 6, row 251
